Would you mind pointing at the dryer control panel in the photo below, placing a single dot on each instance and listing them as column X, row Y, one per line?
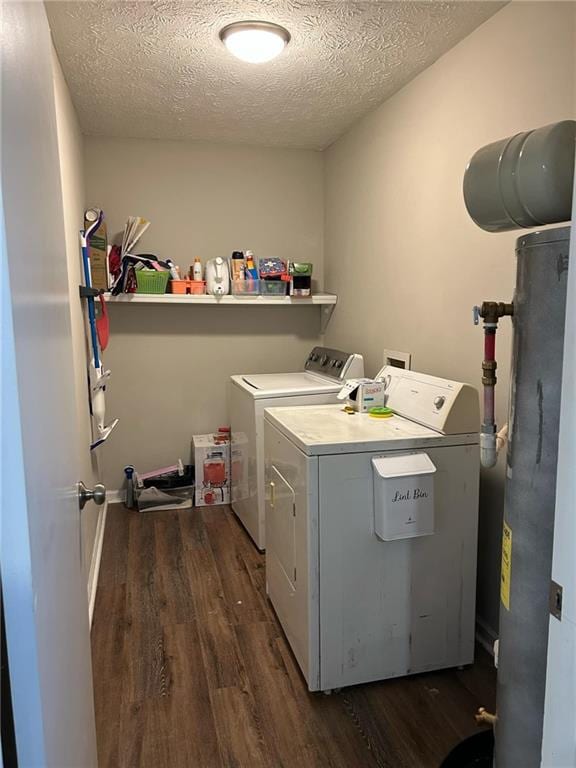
column 334, row 363
column 449, row 407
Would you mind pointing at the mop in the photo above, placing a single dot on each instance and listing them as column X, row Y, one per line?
column 98, row 376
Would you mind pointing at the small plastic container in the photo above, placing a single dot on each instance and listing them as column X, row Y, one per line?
column 151, row 281
column 245, row 288
column 178, row 286
column 273, row 288
column 196, row 287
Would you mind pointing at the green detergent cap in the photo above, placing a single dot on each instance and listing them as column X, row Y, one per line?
column 381, row 412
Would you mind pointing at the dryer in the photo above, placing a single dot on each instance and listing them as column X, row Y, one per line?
column 325, row 371
column 364, row 587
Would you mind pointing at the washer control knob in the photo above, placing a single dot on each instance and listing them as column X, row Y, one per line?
column 338, row 364
column 324, row 360
column 439, row 402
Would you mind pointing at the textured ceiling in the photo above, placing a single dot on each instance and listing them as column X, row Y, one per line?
column 159, row 70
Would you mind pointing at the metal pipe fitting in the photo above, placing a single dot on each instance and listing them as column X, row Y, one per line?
column 490, row 312
column 483, row 717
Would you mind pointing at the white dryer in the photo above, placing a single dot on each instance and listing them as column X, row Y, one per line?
column 371, row 532
column 324, row 374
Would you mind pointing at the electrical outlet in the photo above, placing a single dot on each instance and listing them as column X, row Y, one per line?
column 398, row 359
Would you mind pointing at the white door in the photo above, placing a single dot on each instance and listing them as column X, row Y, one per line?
column 44, row 592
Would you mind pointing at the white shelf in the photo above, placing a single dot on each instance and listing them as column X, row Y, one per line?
column 175, row 298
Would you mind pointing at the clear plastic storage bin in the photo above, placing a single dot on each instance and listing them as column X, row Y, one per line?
column 273, row 288
column 245, row 287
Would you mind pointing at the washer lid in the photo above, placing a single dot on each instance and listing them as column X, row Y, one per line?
column 327, row 429
column 279, row 384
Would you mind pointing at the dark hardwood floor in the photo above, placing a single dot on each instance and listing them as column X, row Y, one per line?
column 191, row 667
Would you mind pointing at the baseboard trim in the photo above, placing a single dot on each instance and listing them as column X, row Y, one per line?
column 486, row 636
column 116, row 497
column 96, row 559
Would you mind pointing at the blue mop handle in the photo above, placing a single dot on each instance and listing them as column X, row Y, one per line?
column 91, row 311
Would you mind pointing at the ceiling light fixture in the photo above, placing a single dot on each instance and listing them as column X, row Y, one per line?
column 255, row 41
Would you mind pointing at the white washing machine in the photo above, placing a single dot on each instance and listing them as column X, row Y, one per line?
column 371, row 532
column 325, row 371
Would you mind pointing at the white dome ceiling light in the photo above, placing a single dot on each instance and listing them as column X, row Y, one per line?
column 255, row 41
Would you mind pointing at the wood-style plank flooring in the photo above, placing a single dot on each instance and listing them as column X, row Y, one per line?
column 191, row 667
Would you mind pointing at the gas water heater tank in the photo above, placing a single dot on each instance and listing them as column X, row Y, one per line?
column 524, row 180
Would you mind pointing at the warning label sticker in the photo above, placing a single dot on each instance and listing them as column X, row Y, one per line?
column 506, row 566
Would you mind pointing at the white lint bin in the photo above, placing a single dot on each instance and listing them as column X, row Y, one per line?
column 403, row 496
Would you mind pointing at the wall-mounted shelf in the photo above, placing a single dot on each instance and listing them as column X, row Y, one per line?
column 325, row 300
column 175, row 298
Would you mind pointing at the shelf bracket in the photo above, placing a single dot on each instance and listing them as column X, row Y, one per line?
column 325, row 315
column 89, row 293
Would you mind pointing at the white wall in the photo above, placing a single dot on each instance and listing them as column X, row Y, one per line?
column 71, row 149
column 403, row 255
column 170, row 365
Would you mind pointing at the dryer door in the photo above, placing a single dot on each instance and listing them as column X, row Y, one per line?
column 282, row 529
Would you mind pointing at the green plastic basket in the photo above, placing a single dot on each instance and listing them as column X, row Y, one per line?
column 151, row 281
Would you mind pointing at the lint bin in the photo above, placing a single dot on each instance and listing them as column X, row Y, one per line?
column 403, row 496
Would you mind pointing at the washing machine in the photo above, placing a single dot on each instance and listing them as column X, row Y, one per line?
column 323, row 376
column 371, row 532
